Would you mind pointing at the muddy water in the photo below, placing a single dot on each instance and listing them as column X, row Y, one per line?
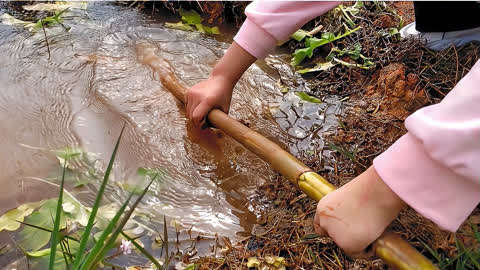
column 92, row 84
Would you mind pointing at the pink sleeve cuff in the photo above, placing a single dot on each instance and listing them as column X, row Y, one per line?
column 433, row 190
column 254, row 39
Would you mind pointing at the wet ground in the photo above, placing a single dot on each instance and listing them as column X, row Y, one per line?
column 87, row 83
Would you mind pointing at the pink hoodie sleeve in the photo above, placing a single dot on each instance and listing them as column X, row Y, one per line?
column 435, row 167
column 269, row 22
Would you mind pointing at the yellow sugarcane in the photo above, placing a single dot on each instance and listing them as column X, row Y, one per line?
column 395, row 251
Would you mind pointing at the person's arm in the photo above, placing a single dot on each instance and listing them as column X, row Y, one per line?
column 435, row 167
column 267, row 23
column 216, row 91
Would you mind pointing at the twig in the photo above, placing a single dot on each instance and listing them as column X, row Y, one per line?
column 456, row 71
column 315, row 30
column 46, row 40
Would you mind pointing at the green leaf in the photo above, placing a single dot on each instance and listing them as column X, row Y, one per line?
column 300, row 54
column 50, row 21
column 100, row 245
column 200, row 28
column 95, row 257
column 68, row 153
column 150, row 172
column 190, row 16
column 55, row 237
column 317, row 67
column 306, row 97
column 42, row 262
column 211, row 30
column 313, row 43
column 39, row 253
column 180, row 26
column 367, row 65
column 135, row 189
column 9, row 220
column 143, row 251
column 81, row 182
column 393, row 31
column 96, row 205
column 300, row 34
column 33, row 239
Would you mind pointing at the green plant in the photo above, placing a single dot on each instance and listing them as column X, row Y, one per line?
column 50, row 20
column 466, row 258
column 190, row 19
column 312, row 43
column 72, row 248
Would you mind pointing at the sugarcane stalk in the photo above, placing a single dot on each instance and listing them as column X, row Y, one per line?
column 395, row 251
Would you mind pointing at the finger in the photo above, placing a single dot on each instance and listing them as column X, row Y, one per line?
column 199, row 113
column 188, row 107
column 318, row 228
column 191, row 105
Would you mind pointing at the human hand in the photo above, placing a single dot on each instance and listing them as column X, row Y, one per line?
column 356, row 214
column 215, row 92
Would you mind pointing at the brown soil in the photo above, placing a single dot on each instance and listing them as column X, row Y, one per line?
column 405, row 9
column 394, row 93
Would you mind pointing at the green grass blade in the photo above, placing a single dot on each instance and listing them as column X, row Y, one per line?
column 56, row 225
column 46, row 230
column 113, row 237
column 143, row 251
column 476, row 232
column 64, row 256
column 101, row 240
column 96, row 205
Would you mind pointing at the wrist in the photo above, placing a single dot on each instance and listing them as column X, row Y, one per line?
column 386, row 197
column 220, row 76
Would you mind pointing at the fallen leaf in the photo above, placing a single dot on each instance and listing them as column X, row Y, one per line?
column 306, row 97
column 179, row 26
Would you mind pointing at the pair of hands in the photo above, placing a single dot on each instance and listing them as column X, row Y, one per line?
column 354, row 216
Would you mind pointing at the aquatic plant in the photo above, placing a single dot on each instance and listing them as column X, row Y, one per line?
column 75, row 248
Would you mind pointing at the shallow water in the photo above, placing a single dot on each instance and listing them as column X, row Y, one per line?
column 93, row 84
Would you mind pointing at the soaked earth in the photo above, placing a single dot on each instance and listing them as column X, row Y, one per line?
column 92, row 84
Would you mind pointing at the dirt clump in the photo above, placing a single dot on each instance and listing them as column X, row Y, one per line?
column 394, row 92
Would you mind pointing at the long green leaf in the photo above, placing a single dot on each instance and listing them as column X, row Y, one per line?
column 46, row 230
column 113, row 237
column 143, row 251
column 96, row 205
column 64, row 256
column 56, row 225
column 101, row 240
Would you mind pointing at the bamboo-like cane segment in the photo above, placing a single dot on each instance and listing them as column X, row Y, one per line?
column 391, row 248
